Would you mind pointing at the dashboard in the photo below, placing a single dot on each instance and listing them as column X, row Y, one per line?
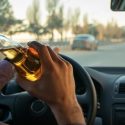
column 110, row 87
column 109, row 83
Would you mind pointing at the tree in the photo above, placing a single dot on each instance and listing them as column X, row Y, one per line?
column 101, row 30
column 33, row 12
column 75, row 17
column 123, row 31
column 118, row 31
column 33, row 16
column 61, row 23
column 51, row 6
column 55, row 17
column 68, row 20
column 53, row 23
column 76, row 28
column 92, row 29
column 16, row 27
column 113, row 30
column 86, row 24
column 6, row 15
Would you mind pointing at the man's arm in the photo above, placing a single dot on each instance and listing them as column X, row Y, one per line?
column 69, row 114
column 56, row 86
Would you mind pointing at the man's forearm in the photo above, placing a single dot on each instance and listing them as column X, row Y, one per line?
column 69, row 114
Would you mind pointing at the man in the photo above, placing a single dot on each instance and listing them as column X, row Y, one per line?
column 59, row 94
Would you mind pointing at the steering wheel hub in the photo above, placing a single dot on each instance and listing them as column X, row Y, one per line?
column 38, row 107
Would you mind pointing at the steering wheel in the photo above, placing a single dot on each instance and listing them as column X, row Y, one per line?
column 25, row 109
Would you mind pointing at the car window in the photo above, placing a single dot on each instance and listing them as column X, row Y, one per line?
column 82, row 38
column 91, row 38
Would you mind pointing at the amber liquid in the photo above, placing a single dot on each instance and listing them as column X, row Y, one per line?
column 26, row 62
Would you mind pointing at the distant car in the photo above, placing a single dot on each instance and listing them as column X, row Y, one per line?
column 85, row 41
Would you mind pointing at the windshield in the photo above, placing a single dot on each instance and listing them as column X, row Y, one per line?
column 60, row 22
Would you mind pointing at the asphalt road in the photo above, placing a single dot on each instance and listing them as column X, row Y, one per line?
column 106, row 55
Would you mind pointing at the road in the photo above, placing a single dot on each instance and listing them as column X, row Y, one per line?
column 107, row 55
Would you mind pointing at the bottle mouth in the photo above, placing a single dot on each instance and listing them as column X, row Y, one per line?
column 6, row 43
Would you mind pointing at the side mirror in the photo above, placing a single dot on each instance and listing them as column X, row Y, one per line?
column 118, row 5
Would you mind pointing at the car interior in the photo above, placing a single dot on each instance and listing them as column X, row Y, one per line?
column 102, row 101
column 100, row 91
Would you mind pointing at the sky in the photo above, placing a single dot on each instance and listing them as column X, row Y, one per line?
column 96, row 9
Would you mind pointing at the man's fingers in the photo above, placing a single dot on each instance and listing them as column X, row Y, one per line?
column 43, row 53
column 47, row 55
column 57, row 50
column 53, row 54
column 25, row 84
column 6, row 72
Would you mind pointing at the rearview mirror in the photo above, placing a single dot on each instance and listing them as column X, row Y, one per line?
column 118, row 5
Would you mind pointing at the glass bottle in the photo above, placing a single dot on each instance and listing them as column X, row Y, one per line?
column 25, row 59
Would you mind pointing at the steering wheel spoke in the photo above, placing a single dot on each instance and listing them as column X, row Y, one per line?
column 7, row 100
column 83, row 99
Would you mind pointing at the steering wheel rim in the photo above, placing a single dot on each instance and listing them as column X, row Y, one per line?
column 89, row 96
column 85, row 77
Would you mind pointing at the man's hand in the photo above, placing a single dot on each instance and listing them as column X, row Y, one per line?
column 6, row 73
column 56, row 86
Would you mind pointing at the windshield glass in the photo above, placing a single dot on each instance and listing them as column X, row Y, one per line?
column 60, row 22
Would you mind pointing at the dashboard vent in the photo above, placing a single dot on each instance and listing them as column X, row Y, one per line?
column 122, row 88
